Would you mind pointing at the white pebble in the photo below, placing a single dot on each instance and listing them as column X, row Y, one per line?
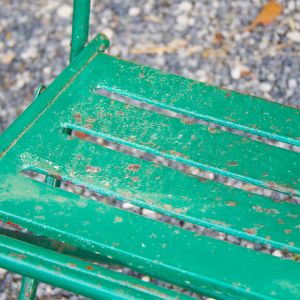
column 8, row 57
column 108, row 32
column 265, row 87
column 30, row 53
column 277, row 253
column 294, row 36
column 65, row 11
column 183, row 20
column 134, row 11
column 292, row 83
column 185, row 6
column 238, row 70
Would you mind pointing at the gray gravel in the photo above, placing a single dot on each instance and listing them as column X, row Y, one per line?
column 204, row 40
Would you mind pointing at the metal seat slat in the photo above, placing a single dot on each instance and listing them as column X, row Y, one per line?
column 199, row 263
column 197, row 145
column 156, row 187
column 71, row 273
column 199, row 100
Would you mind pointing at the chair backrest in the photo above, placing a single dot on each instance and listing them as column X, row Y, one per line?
column 80, row 26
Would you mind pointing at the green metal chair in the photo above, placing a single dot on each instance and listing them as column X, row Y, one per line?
column 70, row 239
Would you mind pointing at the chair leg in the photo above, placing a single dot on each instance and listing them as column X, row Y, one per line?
column 28, row 289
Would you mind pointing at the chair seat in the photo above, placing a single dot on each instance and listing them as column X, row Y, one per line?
column 93, row 99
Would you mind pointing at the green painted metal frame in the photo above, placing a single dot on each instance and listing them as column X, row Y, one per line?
column 80, row 26
column 41, row 140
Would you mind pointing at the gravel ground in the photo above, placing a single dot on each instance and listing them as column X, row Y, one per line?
column 204, row 40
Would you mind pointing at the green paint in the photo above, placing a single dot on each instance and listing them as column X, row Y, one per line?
column 40, row 140
column 77, row 275
column 28, row 289
column 80, row 26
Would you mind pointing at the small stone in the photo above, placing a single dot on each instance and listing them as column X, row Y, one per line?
column 239, row 71
column 183, row 21
column 146, row 278
column 2, row 273
column 265, row 87
column 185, row 6
column 8, row 57
column 30, row 53
column 109, row 33
column 127, row 205
column 65, row 11
column 294, row 36
column 149, row 213
column 134, row 11
column 277, row 253
column 292, row 83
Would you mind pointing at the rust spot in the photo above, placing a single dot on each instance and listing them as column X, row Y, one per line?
column 80, row 135
column 232, row 164
column 250, row 230
column 13, row 224
column 91, row 169
column 135, row 178
column 287, row 231
column 72, row 265
column 268, row 237
column 270, row 211
column 174, row 152
column 202, row 179
column 231, row 203
column 118, row 219
column 168, row 206
column 134, row 167
column 212, row 130
column 142, row 75
column 89, row 268
column 78, row 117
column 90, row 120
column 227, row 95
column 187, row 121
column 280, row 221
column 56, row 176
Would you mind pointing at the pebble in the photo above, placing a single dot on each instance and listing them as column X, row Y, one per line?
column 294, row 36
column 185, row 6
column 29, row 53
column 265, row 87
column 134, row 11
column 65, row 11
column 8, row 57
column 277, row 253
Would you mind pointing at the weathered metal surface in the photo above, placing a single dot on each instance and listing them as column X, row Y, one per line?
column 74, row 274
column 38, row 141
column 80, row 26
column 162, row 189
column 168, row 252
column 28, row 289
column 195, row 99
column 194, row 144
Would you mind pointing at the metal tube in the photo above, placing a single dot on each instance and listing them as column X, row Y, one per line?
column 80, row 26
column 28, row 289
